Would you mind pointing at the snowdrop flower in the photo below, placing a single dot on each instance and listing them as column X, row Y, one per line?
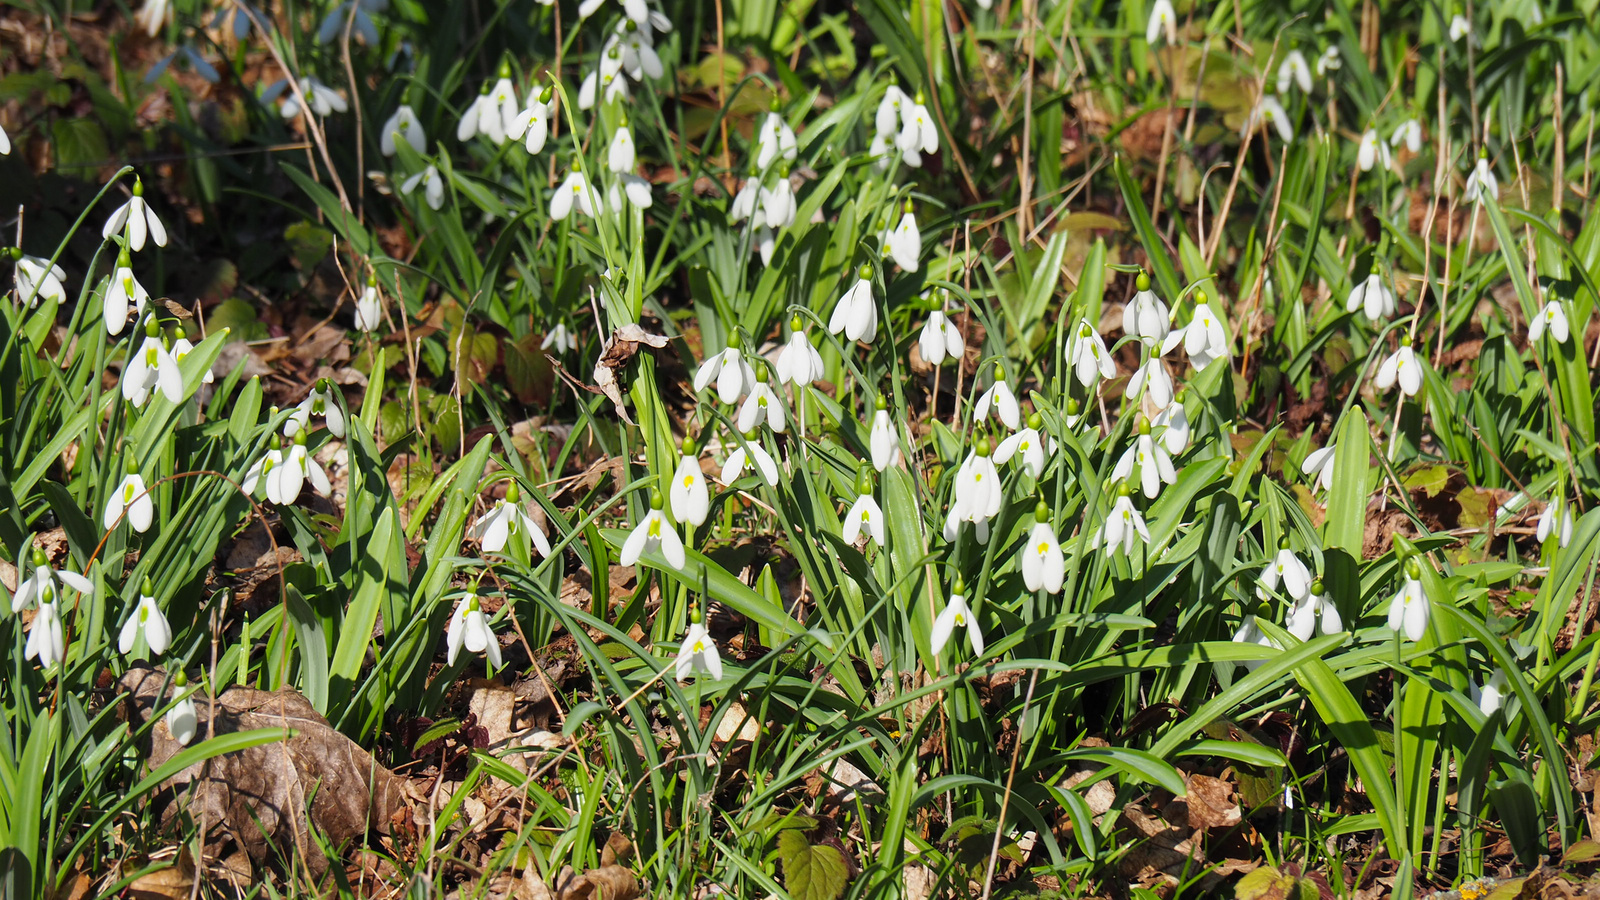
column 1000, row 397
column 1410, row 134
column 260, row 473
column 635, row 189
column 1250, row 633
column 45, row 580
column 620, row 153
column 1410, row 608
column 319, row 402
column 886, row 122
column 183, row 719
column 37, row 280
column 879, row 149
column 575, row 190
column 149, row 367
column 1145, row 317
column 882, row 439
column 285, row 482
column 1294, row 71
column 532, row 125
column 778, row 206
column 1553, row 317
column 139, row 219
column 1401, row 366
column 403, row 125
column 153, row 15
column 855, row 314
column 698, row 652
column 1285, row 569
column 732, row 374
column 469, row 628
column 653, row 532
column 864, row 515
column 432, row 186
column 798, row 363
column 741, row 458
column 1372, row 151
column 1173, row 423
column 500, row 113
column 639, row 57
column 1459, row 28
column 1155, row 466
column 146, row 619
column 776, row 139
column 1163, row 21
column 124, row 293
column 1270, row 111
column 1122, row 526
column 369, row 307
column 324, row 100
column 940, row 339
column 482, row 117
column 5, row 143
column 1481, row 182
column 1090, row 359
column 1043, row 565
column 1152, row 374
column 360, row 22
column 690, row 499
column 747, row 201
column 561, row 338
column 977, row 495
column 955, row 615
column 1329, row 61
column 917, row 132
column 1318, row 466
column 1312, row 610
column 604, row 76
column 635, row 9
column 1029, row 443
column 1372, row 296
column 44, row 637
column 1556, row 511
column 130, row 496
column 507, row 520
column 761, row 403
column 181, row 347
column 1492, row 695
column 1203, row 338
column 905, row 242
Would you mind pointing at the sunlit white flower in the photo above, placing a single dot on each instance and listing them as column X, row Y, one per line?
column 38, row 280
column 1492, row 695
column 1329, row 61
column 886, row 122
column 690, row 499
column 1371, row 296
column 575, row 191
column 1090, row 359
column 1122, row 527
column 864, row 515
column 1163, row 21
column 259, row 474
column 153, row 15
column 432, row 186
column 1145, row 317
column 1043, row 565
column 1270, row 111
column 940, row 338
column 132, row 496
column 1000, row 397
column 1372, row 151
column 506, row 520
column 1153, row 375
column 798, row 363
column 905, row 242
column 1287, row 570
column 139, row 219
column 620, row 153
column 698, row 653
column 1028, row 445
column 1312, row 610
column 1155, row 466
column 182, row 347
column 778, row 205
column 1410, row 608
column 44, row 636
column 776, row 139
column 1459, row 27
column 879, row 150
column 1402, row 367
column 639, row 57
column 917, row 132
column 855, row 314
column 653, row 532
column 729, row 370
column 500, row 114
column 1481, row 181
column 1203, row 338
column 324, row 100
column 761, row 405
column 955, row 615
column 978, row 493
column 123, row 295
column 607, row 77
column 146, row 618
column 46, row 580
column 369, row 308
column 470, row 628
column 635, row 9
column 743, row 456
column 532, row 125
column 635, row 189
column 1318, row 466
column 149, row 367
column 561, row 338
column 882, row 439
column 1553, row 317
column 1172, row 423
column 1410, row 134
column 1294, row 70
column 285, row 482
column 183, row 719
column 1556, row 519
column 403, row 125
column 319, row 402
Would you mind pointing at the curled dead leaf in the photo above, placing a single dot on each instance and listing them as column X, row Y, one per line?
column 622, row 346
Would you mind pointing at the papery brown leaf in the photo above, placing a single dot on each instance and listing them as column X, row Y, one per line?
column 622, row 346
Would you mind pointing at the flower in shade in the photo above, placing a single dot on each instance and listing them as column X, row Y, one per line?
column 432, row 186
column 402, row 125
column 183, row 719
column 38, row 280
column 1284, row 570
column 750, row 451
column 369, row 307
column 1557, row 520
column 905, row 241
column 1372, row 151
column 698, row 652
column 1410, row 134
column 1312, row 610
column 1481, row 181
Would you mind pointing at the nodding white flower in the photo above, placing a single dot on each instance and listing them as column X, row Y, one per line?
column 747, row 201
column 183, row 720
column 5, row 143
column 1556, row 519
column 698, row 653
column 1270, row 111
column 481, row 117
column 917, row 132
column 1000, row 397
column 1203, row 338
column 532, row 125
column 44, row 583
column 1459, row 28
column 181, row 347
column 798, row 363
column 639, row 57
column 1285, row 569
column 500, row 113
column 151, row 366
column 506, row 520
column 1043, row 565
column 130, row 496
column 561, row 338
column 324, row 100
column 125, row 293
column 1372, row 296
column 882, row 439
column 1029, row 443
column 285, row 482
column 1173, row 423
column 864, row 514
column 153, row 15
column 470, row 628
column 1329, row 61
column 1250, row 633
column 776, row 139
column 146, row 618
column 432, row 186
column 766, row 241
column 369, row 308
column 653, row 532
column 1372, row 151
column 607, row 76
column 905, row 242
column 778, row 205
column 1410, row 134
column 741, row 458
column 1090, row 359
column 38, row 280
column 1492, row 695
column 403, row 125
column 940, row 339
column 1152, row 374
column 879, row 150
column 886, row 123
column 956, row 614
column 1402, row 367
column 632, row 187
column 575, row 191
column 1553, row 317
column 978, row 493
column 1163, row 21
column 320, row 402
column 1123, row 524
column 635, row 9
column 139, row 219
column 259, row 475
column 732, row 374
column 690, row 499
column 1294, row 70
column 44, row 637
column 855, row 314
column 620, row 154
column 1481, row 181
column 1410, row 607
column 1318, row 466
column 1145, row 317
column 1155, row 466
column 1312, row 610
column 761, row 403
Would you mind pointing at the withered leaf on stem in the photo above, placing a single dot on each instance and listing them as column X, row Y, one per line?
column 621, row 347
